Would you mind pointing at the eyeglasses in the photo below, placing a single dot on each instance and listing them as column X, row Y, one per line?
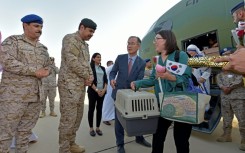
column 132, row 44
column 157, row 38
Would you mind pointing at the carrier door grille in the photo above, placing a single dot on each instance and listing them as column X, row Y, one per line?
column 139, row 105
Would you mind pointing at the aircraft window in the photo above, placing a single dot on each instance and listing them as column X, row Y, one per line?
column 164, row 25
column 202, row 41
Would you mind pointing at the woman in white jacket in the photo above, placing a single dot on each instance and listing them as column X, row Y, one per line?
column 202, row 74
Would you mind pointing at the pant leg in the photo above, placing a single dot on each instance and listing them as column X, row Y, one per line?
column 10, row 116
column 227, row 113
column 119, row 131
column 92, row 101
column 99, row 110
column 67, row 122
column 45, row 95
column 26, row 124
column 182, row 133
column 51, row 97
column 160, row 135
column 80, row 110
column 238, row 106
column 69, row 99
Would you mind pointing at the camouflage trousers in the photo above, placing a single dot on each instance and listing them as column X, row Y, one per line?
column 229, row 107
column 50, row 93
column 17, row 119
column 71, row 110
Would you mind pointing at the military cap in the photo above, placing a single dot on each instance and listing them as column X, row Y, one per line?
column 32, row 18
column 226, row 50
column 239, row 5
column 147, row 60
column 88, row 23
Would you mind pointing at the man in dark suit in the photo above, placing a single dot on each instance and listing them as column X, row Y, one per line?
column 128, row 67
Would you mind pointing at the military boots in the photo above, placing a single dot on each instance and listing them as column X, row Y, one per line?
column 242, row 146
column 42, row 115
column 52, row 113
column 226, row 136
column 77, row 149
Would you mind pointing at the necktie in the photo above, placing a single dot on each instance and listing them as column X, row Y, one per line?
column 129, row 65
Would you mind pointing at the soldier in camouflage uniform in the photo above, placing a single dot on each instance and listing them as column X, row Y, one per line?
column 232, row 102
column 49, row 89
column 24, row 60
column 75, row 74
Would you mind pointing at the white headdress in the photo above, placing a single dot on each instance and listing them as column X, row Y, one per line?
column 195, row 49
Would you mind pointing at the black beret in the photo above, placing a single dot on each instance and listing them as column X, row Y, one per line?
column 239, row 5
column 147, row 60
column 88, row 23
column 32, row 18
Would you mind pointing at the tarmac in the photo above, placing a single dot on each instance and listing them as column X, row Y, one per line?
column 47, row 132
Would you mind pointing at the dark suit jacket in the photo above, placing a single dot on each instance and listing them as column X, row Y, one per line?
column 90, row 89
column 120, row 69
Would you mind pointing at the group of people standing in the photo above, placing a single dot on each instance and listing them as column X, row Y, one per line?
column 26, row 63
column 230, row 81
column 232, row 103
column 26, row 69
column 232, row 88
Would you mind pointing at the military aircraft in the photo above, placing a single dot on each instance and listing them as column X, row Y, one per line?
column 197, row 22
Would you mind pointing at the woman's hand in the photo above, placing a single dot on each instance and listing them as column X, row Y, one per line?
column 166, row 75
column 101, row 93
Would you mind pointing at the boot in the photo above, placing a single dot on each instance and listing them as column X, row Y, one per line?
column 242, row 146
column 42, row 115
column 224, row 138
column 77, row 149
column 52, row 113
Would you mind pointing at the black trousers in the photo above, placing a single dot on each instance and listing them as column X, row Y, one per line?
column 95, row 101
column 181, row 131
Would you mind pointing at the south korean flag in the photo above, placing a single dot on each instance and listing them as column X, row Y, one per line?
column 176, row 68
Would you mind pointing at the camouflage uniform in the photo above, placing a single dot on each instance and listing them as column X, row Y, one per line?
column 49, row 88
column 20, row 90
column 232, row 103
column 74, row 70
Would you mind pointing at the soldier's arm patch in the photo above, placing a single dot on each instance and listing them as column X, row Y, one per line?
column 74, row 50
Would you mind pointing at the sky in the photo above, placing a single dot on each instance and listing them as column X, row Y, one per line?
column 116, row 20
